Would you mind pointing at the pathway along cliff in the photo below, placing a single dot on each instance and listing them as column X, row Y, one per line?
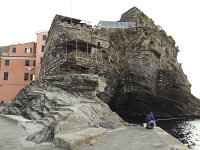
column 132, row 67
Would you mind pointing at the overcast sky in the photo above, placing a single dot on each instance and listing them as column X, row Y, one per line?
column 21, row 19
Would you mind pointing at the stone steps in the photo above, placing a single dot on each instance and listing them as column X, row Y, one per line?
column 41, row 122
column 63, row 109
column 49, row 119
column 64, row 113
column 77, row 139
column 54, row 115
column 54, row 112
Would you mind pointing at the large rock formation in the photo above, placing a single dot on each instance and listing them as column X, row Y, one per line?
column 64, row 100
column 134, row 70
column 65, row 105
column 152, row 79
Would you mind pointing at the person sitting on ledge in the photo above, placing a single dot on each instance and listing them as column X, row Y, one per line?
column 150, row 121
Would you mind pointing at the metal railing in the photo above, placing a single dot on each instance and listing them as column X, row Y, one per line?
column 85, row 56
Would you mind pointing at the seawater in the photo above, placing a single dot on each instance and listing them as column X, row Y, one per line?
column 186, row 131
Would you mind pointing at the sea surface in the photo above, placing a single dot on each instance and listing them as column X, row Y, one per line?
column 187, row 131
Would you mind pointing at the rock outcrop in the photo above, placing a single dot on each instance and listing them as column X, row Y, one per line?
column 64, row 100
column 152, row 79
column 133, row 70
column 60, row 111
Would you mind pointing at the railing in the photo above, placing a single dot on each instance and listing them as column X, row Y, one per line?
column 84, row 56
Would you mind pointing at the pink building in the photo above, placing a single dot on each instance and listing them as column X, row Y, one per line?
column 19, row 65
column 41, row 39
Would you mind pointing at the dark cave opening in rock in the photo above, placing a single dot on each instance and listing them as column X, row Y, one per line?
column 131, row 107
column 134, row 106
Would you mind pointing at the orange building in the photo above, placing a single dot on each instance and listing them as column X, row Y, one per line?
column 19, row 65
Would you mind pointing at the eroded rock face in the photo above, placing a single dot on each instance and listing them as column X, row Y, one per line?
column 64, row 104
column 64, row 99
column 133, row 70
column 151, row 79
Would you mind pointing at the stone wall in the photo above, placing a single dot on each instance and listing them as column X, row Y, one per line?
column 61, row 32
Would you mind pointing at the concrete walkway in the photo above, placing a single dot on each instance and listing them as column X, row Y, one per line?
column 12, row 137
column 137, row 138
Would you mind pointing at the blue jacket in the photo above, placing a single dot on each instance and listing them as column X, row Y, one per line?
column 150, row 117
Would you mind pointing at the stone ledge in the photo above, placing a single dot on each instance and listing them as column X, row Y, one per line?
column 78, row 139
column 19, row 120
column 29, row 125
column 174, row 143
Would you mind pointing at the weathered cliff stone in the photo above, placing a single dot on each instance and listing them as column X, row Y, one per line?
column 64, row 104
column 136, row 15
column 61, row 45
column 151, row 79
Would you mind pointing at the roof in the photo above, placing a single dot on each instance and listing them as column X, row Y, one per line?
column 17, row 44
column 42, row 31
column 69, row 19
column 115, row 24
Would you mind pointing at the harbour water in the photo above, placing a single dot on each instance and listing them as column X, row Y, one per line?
column 187, row 131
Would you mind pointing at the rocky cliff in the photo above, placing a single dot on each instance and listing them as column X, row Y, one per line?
column 151, row 79
column 133, row 70
column 64, row 100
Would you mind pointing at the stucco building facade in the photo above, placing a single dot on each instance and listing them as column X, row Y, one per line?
column 19, row 65
column 41, row 39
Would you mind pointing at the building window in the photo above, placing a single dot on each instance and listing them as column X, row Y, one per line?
column 28, row 50
column 14, row 50
column 42, row 50
column 7, row 62
column 25, row 76
column 31, row 77
column 44, row 37
column 41, row 60
column 34, row 63
column 5, row 76
column 26, row 62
